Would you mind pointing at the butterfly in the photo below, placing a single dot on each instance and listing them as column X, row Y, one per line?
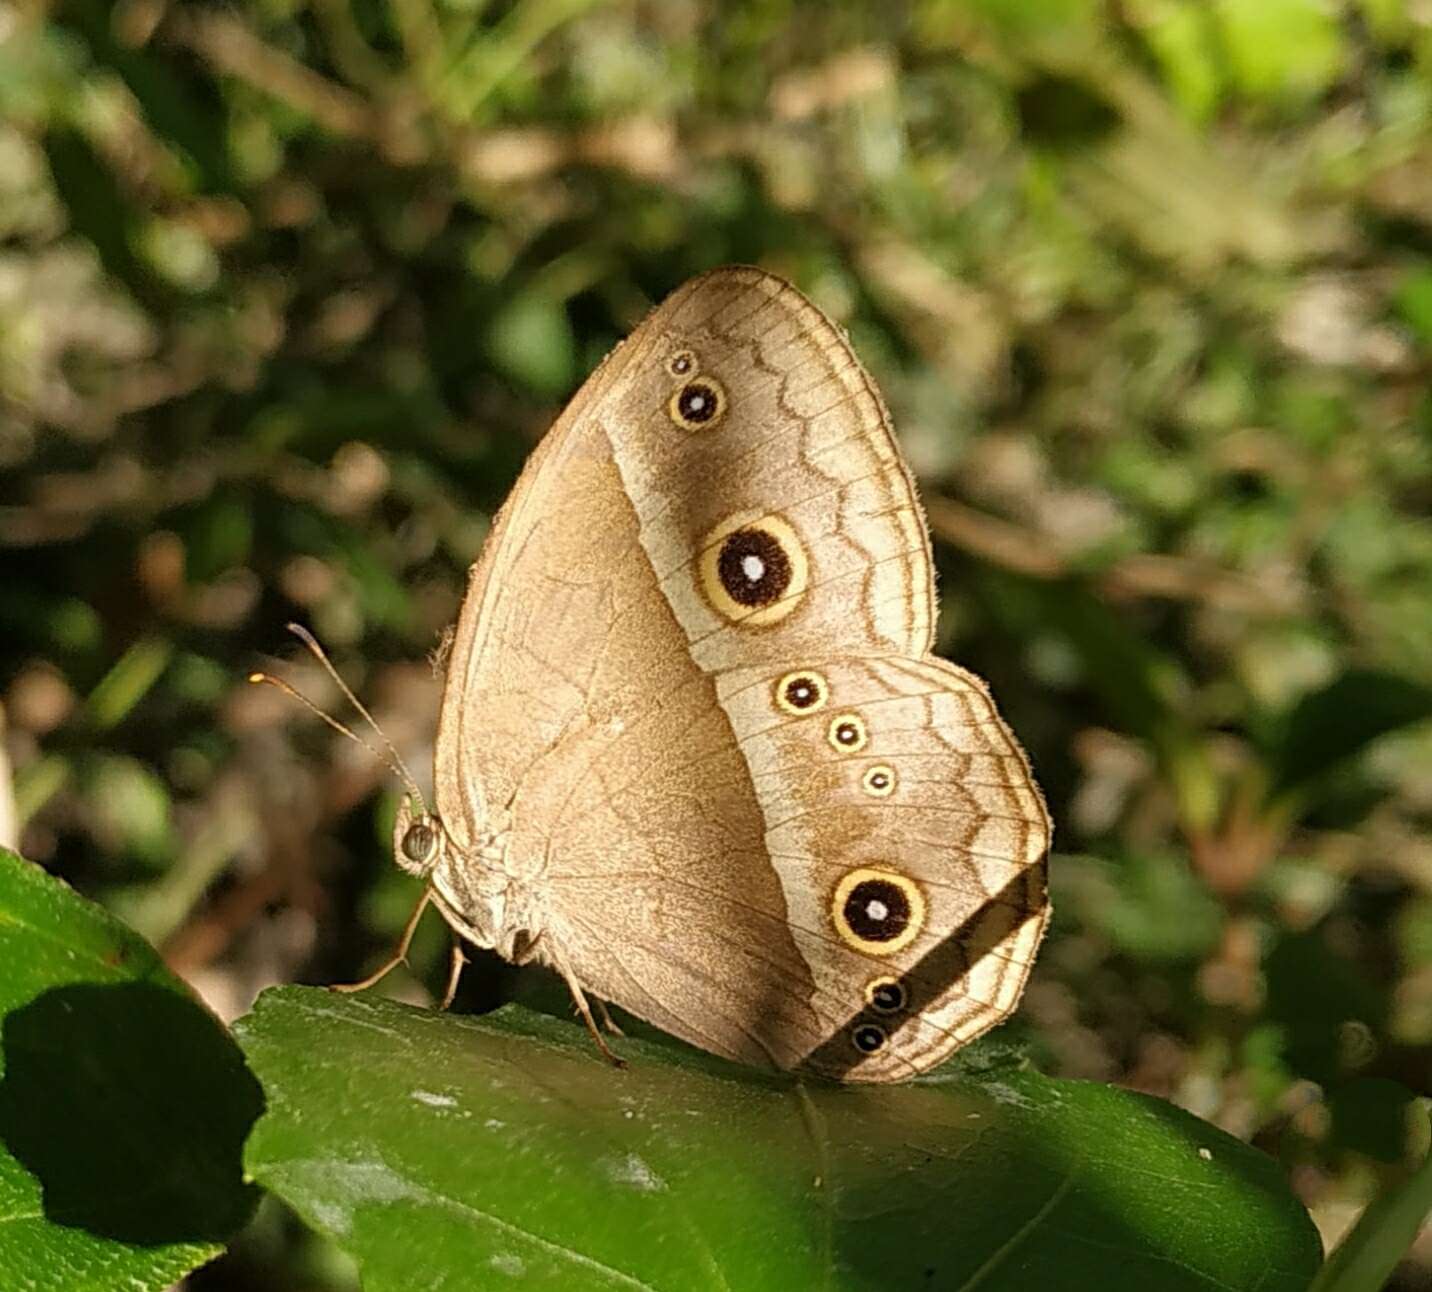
column 694, row 751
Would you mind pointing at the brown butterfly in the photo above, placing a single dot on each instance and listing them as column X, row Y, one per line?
column 694, row 752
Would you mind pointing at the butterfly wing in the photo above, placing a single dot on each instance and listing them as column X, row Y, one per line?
column 717, row 561
column 575, row 720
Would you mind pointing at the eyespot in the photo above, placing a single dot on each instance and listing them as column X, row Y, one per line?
column 879, row 781
column 886, row 995
column 420, row 842
column 803, row 692
column 753, row 569
column 847, row 733
column 683, row 363
column 698, row 405
column 868, row 1038
column 877, row 911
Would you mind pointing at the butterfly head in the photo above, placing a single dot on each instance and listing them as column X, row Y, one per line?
column 419, row 839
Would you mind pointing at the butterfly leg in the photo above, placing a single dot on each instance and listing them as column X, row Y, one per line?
column 579, row 998
column 400, row 957
column 607, row 1018
column 459, row 961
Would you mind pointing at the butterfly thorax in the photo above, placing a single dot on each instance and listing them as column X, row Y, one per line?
column 486, row 904
column 472, row 884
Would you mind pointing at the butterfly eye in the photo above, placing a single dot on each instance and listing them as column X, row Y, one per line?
column 868, row 1038
column 698, row 404
column 420, row 843
column 683, row 364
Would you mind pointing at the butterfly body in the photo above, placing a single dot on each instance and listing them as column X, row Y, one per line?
column 694, row 751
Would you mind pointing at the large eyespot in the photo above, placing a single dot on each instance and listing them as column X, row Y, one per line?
column 879, row 781
column 847, row 733
column 753, row 569
column 868, row 1038
column 683, row 363
column 699, row 404
column 420, row 843
column 886, row 995
column 803, row 692
column 878, row 911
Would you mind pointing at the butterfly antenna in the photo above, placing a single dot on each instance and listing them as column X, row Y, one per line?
column 394, row 759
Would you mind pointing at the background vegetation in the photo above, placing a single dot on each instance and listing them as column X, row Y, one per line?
column 288, row 290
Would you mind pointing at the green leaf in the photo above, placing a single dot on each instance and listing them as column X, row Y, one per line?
column 1150, row 906
column 1033, row 19
column 1329, row 726
column 174, row 104
column 123, row 1103
column 445, row 1151
column 1383, row 1235
column 531, row 341
column 1370, row 1115
column 128, row 682
column 1413, row 304
column 1180, row 35
column 1315, row 1023
column 1282, row 49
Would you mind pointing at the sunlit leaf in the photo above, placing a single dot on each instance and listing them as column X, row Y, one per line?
column 1281, row 49
column 446, row 1151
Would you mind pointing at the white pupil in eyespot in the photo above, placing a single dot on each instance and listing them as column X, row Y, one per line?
column 877, row 910
column 753, row 567
column 696, row 403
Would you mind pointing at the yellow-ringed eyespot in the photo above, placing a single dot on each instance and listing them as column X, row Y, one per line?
column 879, row 781
column 802, row 692
column 847, row 733
column 886, row 995
column 868, row 1038
column 877, row 911
column 698, row 404
column 683, row 363
column 753, row 569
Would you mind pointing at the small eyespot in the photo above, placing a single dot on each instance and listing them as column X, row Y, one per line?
column 886, row 995
column 868, row 1038
column 753, row 569
column 420, row 841
column 878, row 911
column 683, row 364
column 698, row 404
column 847, row 733
column 879, row 781
column 802, row 692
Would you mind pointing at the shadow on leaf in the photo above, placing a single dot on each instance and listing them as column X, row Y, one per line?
column 107, row 1100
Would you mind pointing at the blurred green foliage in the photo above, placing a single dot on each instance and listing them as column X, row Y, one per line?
column 288, row 290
